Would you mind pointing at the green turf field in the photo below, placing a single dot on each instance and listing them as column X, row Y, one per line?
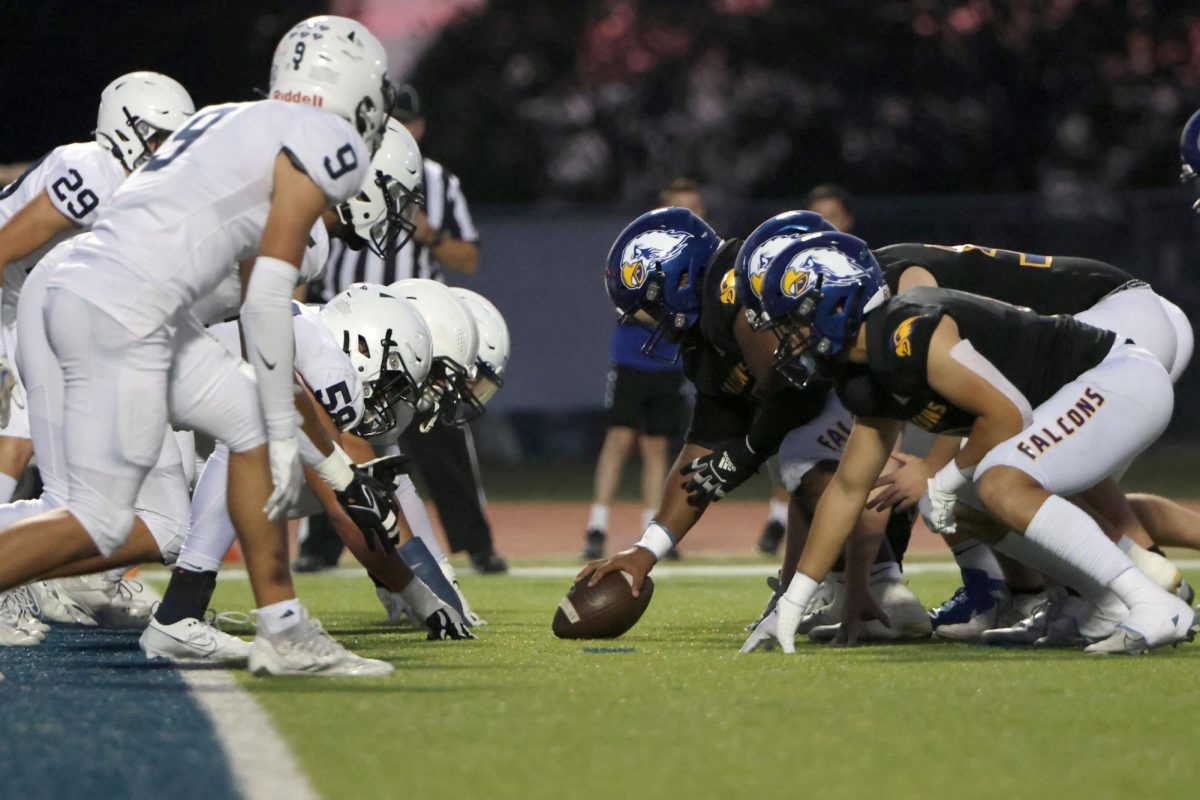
column 519, row 714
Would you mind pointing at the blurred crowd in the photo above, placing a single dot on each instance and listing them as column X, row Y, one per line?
column 605, row 101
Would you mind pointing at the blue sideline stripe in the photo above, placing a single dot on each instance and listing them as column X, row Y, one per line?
column 84, row 715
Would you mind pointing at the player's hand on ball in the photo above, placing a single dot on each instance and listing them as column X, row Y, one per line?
column 286, row 474
column 373, row 509
column 8, row 383
column 937, row 508
column 720, row 472
column 636, row 562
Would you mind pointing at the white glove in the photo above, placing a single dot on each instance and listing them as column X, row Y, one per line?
column 286, row 474
column 937, row 504
column 777, row 628
column 8, row 383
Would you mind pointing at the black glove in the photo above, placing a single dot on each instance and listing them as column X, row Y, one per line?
column 445, row 623
column 720, row 472
column 386, row 471
column 372, row 507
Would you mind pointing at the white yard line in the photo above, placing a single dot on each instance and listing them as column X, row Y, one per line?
column 682, row 571
column 261, row 762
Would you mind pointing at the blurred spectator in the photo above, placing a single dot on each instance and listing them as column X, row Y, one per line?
column 604, row 101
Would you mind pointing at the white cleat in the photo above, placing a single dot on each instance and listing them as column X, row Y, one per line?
column 27, row 614
column 56, row 606
column 12, row 632
column 399, row 613
column 907, row 617
column 1008, row 611
column 194, row 640
column 1148, row 627
column 306, row 649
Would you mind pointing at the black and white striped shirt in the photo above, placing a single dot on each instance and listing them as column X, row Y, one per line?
column 447, row 211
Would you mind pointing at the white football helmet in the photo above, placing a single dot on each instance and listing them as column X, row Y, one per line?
column 384, row 212
column 494, row 345
column 455, row 348
column 137, row 111
column 389, row 346
column 336, row 64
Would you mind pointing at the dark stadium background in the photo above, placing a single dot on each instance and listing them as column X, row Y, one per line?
column 1041, row 126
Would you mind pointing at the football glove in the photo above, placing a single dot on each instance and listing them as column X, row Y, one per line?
column 445, row 623
column 286, row 474
column 721, row 471
column 373, row 509
column 937, row 508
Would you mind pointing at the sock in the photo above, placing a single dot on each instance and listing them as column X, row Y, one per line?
column 1157, row 568
column 887, row 571
column 424, row 566
column 1070, row 535
column 598, row 518
column 187, row 596
column 648, row 517
column 1158, row 551
column 279, row 617
column 8, row 485
column 778, row 511
column 420, row 598
column 982, row 577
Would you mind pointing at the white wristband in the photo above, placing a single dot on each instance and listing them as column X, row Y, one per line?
column 335, row 469
column 800, row 590
column 657, row 539
column 950, row 478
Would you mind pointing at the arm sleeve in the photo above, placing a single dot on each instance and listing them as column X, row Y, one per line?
column 781, row 412
column 270, row 343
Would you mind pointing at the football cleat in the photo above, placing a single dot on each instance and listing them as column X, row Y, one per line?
column 56, row 606
column 1148, row 627
column 956, row 608
column 13, row 611
column 194, row 640
column 593, row 545
column 772, row 535
column 907, row 618
column 306, row 649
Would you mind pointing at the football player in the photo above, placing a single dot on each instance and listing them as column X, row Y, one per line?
column 1039, row 428
column 242, row 182
column 670, row 266
column 58, row 196
column 1094, row 292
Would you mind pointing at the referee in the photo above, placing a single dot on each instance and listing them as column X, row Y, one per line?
column 445, row 238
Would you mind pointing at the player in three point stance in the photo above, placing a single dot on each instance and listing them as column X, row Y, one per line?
column 1038, row 427
column 57, row 197
column 240, row 181
column 671, row 267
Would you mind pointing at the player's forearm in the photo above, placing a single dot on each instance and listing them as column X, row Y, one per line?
column 674, row 512
column 457, row 255
column 989, row 430
column 837, row 514
column 863, row 547
column 266, row 318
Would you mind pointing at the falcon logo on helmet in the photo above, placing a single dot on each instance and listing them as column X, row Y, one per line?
column 649, row 248
column 761, row 258
column 796, row 278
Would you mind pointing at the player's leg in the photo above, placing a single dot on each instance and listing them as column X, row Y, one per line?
column 1078, row 437
column 1185, row 337
column 777, row 511
column 210, row 394
column 16, row 448
column 619, row 441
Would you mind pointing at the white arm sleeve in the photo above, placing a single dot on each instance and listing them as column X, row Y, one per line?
column 270, row 344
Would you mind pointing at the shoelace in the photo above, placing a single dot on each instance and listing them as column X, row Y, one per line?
column 126, row 589
column 214, row 620
column 28, row 601
column 10, row 608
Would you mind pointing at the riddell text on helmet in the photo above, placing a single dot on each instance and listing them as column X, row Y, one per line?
column 291, row 96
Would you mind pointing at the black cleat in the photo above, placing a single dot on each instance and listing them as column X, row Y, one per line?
column 772, row 535
column 593, row 547
column 309, row 563
column 487, row 562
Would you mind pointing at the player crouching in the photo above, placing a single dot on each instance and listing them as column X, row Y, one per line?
column 1039, row 428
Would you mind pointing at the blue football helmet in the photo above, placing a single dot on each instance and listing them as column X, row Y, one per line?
column 760, row 248
column 656, row 267
column 1189, row 152
column 816, row 292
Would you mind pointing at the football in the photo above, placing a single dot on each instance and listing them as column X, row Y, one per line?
column 603, row 611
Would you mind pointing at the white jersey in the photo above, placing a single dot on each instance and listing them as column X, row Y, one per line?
column 319, row 360
column 179, row 225
column 78, row 179
column 225, row 302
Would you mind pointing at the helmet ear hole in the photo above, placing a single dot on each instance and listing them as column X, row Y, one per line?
column 363, row 348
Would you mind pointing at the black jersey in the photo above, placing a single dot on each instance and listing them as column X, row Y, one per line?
column 712, row 359
column 1037, row 354
column 1046, row 284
